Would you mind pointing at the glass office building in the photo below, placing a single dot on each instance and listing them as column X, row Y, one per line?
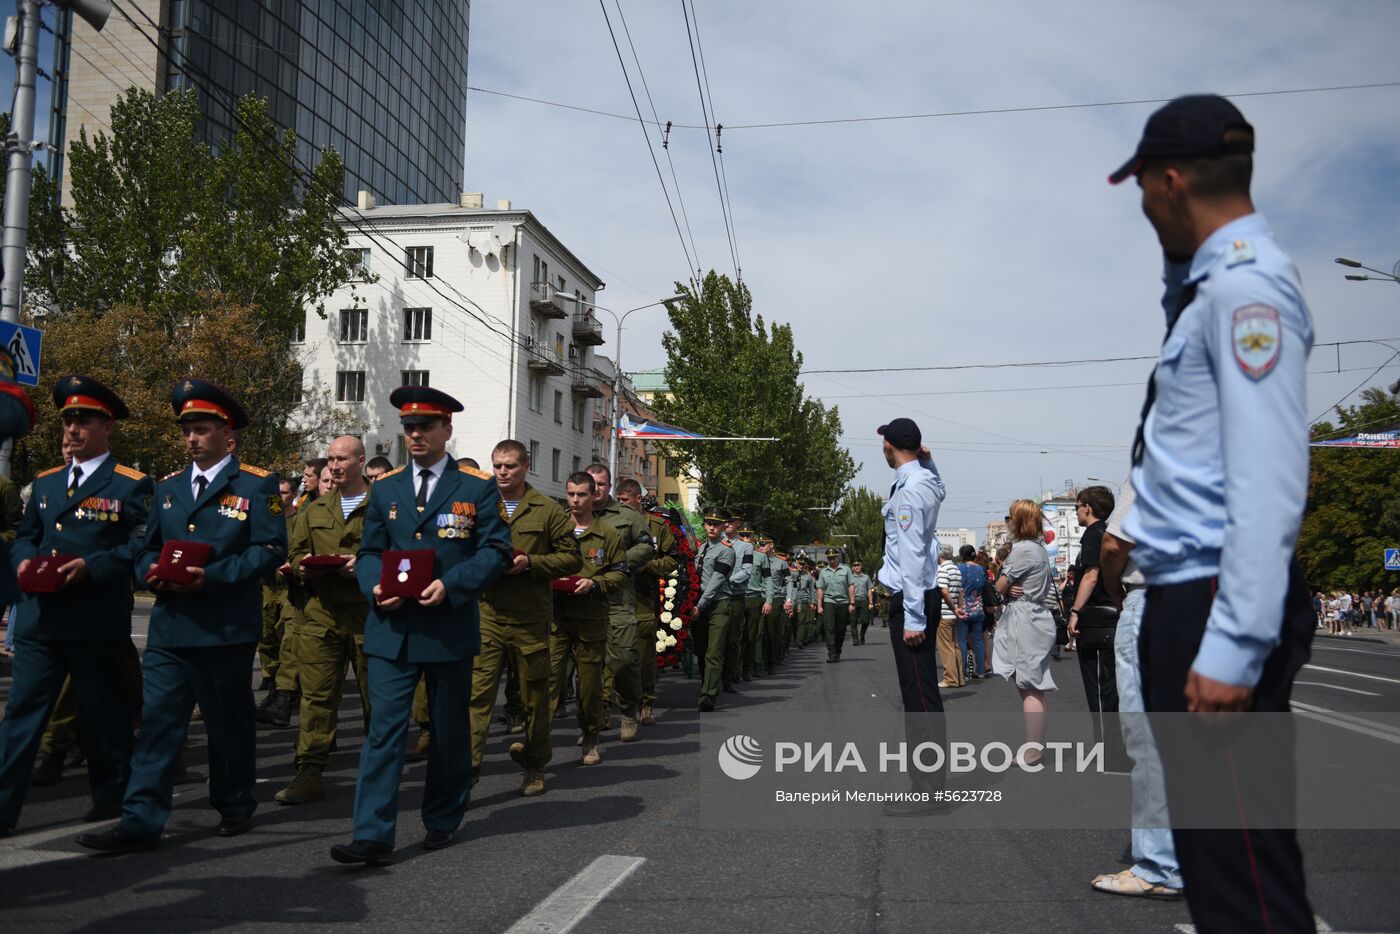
column 384, row 82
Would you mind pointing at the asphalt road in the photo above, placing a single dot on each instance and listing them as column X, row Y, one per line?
column 625, row 840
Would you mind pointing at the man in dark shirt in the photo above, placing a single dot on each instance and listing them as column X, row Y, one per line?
column 1096, row 665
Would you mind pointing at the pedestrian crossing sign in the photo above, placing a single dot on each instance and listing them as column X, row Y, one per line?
column 1392, row 559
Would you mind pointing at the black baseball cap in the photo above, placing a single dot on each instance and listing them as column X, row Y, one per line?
column 902, row 433
column 1192, row 126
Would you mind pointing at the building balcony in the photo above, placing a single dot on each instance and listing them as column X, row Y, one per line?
column 588, row 330
column 545, row 301
column 585, row 384
column 544, row 360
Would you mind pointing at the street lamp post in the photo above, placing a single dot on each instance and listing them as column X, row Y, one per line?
column 615, row 405
column 1381, row 275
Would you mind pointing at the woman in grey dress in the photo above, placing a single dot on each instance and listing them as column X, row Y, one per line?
column 1025, row 635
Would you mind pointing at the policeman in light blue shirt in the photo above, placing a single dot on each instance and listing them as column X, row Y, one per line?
column 910, row 571
column 1221, row 474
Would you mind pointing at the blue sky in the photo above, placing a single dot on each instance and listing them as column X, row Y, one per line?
column 988, row 238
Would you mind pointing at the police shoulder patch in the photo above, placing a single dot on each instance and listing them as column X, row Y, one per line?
column 255, row 471
column 50, row 472
column 905, row 516
column 1257, row 336
column 472, row 471
column 131, row 473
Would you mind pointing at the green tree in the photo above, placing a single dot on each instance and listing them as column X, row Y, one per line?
column 861, row 515
column 730, row 373
column 1353, row 511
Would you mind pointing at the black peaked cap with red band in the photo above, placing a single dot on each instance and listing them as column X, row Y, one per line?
column 419, row 404
column 81, row 393
column 199, row 398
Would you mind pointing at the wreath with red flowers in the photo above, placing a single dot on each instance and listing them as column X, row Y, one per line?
column 679, row 594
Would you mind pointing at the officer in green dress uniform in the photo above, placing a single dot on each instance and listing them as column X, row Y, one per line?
column 203, row 635
column 332, row 635
column 93, row 512
column 428, row 505
column 624, row 668
column 516, row 613
column 711, row 622
column 754, row 655
column 582, row 617
column 650, row 578
column 836, row 602
column 865, row 603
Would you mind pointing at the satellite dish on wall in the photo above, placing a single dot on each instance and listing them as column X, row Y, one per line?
column 503, row 234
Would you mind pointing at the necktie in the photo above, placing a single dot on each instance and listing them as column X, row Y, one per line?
column 76, row 479
column 1188, row 294
column 424, row 476
column 201, row 483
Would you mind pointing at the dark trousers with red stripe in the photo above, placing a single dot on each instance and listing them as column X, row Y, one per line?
column 1238, row 879
column 917, row 666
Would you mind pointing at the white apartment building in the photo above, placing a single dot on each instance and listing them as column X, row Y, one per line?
column 474, row 302
column 956, row 538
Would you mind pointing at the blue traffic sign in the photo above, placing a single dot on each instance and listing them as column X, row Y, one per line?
column 24, row 344
column 1392, row 559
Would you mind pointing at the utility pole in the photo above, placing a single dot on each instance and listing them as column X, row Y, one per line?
column 19, row 147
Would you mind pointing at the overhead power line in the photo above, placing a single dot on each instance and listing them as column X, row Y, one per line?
column 718, row 149
column 705, row 114
column 642, row 125
column 932, row 115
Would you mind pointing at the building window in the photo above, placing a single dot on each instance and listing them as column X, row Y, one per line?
column 535, row 276
column 413, row 377
column 671, row 469
column 534, row 455
column 536, row 394
column 417, row 325
column 558, row 407
column 358, row 258
column 561, row 284
column 419, row 262
column 577, row 462
column 299, row 331
column 350, row 386
column 354, row 325
column 298, row 394
column 558, row 455
column 580, row 408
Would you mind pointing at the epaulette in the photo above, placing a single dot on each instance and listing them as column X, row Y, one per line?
column 255, row 471
column 479, row 474
column 391, row 473
column 172, row 474
column 131, row 473
column 51, row 470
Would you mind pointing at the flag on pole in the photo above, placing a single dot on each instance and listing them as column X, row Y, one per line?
column 1371, row 439
column 651, row 430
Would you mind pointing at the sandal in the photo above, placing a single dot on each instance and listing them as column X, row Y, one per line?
column 1132, row 885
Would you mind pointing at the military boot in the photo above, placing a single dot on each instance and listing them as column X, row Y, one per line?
column 592, row 755
column 419, row 750
column 532, row 779
column 629, row 727
column 279, row 712
column 305, row 787
column 648, row 717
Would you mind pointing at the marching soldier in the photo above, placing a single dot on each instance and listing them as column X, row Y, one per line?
column 203, row 634
column 430, row 505
column 283, row 598
column 738, row 594
column 582, row 617
column 754, row 654
column 274, row 598
column 865, row 603
column 780, row 620
column 711, row 620
column 332, row 634
column 770, row 631
column 624, row 668
column 651, row 577
column 92, row 514
column 836, row 602
column 516, row 612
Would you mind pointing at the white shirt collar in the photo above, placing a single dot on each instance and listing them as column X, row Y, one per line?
column 437, row 469
column 209, row 474
column 89, row 467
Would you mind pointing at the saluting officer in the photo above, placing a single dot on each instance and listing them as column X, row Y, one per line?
column 1221, row 476
column 624, row 668
column 93, row 513
column 711, row 623
column 203, row 635
column 429, row 505
column 332, row 634
column 516, row 612
column 836, row 602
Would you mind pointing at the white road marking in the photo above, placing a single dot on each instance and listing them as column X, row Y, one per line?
column 1337, row 687
column 1377, row 652
column 569, row 904
column 1354, row 674
column 1360, row 725
column 1322, row 927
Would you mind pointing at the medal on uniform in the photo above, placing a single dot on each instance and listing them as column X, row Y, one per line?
column 393, row 511
column 404, row 565
column 167, row 504
column 242, row 515
column 78, row 513
column 43, row 502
